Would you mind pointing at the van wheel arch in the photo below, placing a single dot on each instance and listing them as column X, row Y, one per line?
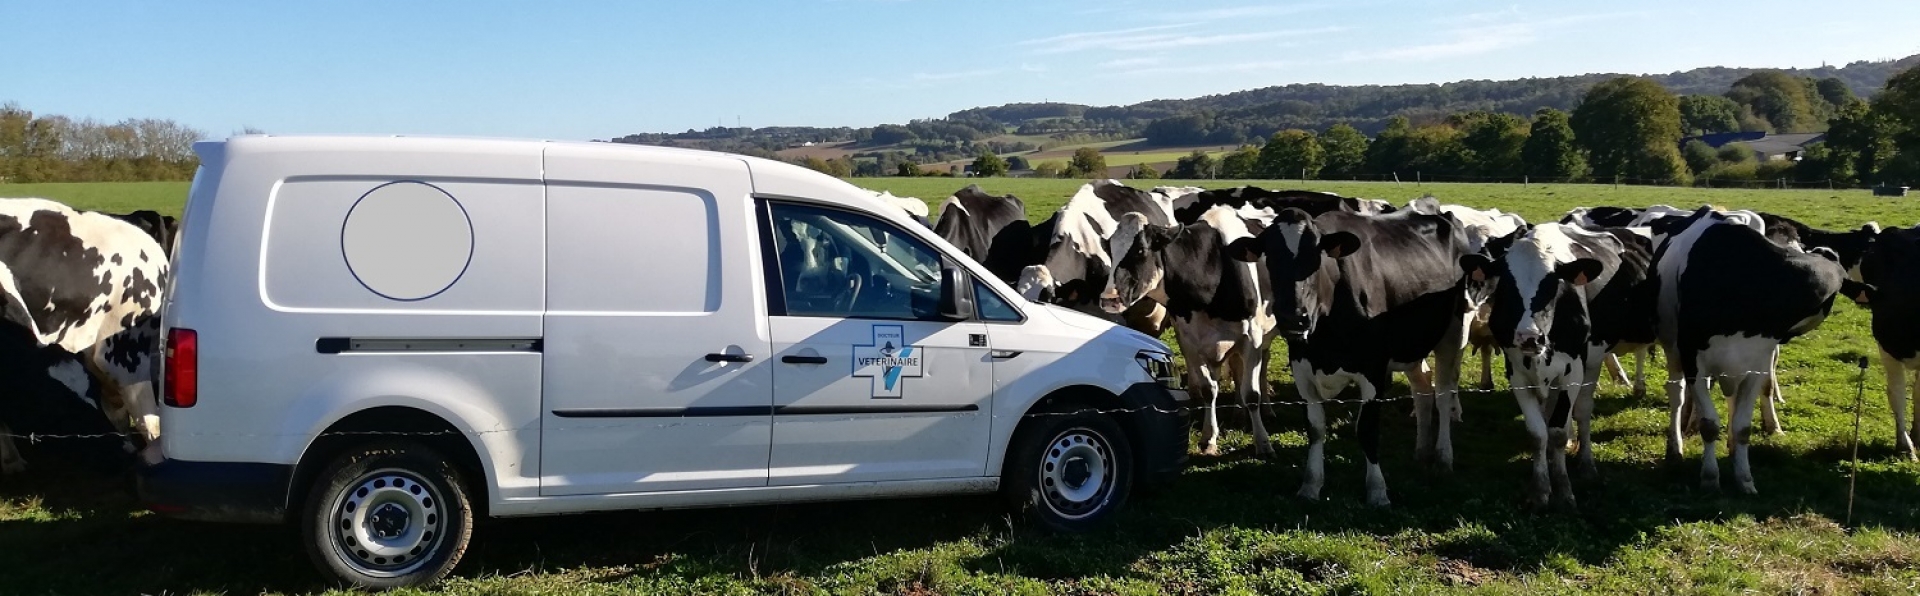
column 1076, row 398
column 439, row 434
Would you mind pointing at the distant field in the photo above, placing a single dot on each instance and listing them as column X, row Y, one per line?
column 118, row 197
column 1229, row 525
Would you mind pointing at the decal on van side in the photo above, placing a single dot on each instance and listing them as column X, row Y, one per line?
column 887, row 360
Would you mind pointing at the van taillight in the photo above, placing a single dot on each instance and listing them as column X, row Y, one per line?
column 182, row 380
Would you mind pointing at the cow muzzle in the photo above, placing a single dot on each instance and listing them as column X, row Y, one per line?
column 1110, row 302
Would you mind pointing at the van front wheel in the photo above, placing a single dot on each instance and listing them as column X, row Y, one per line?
column 387, row 515
column 1069, row 471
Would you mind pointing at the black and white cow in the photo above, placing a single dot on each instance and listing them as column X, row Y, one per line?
column 1249, row 199
column 1217, row 305
column 48, row 391
column 90, row 283
column 1483, row 226
column 1075, row 266
column 1358, row 297
column 1891, row 272
column 1566, row 296
column 1729, row 297
column 1851, row 245
column 990, row 229
column 163, row 228
column 915, row 208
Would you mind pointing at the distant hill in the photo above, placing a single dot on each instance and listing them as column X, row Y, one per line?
column 1228, row 118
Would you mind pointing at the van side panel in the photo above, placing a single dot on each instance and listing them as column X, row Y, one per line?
column 300, row 323
column 650, row 271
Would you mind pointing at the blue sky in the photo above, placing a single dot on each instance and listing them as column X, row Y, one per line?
column 599, row 69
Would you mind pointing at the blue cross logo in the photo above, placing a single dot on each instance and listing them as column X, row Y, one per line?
column 887, row 360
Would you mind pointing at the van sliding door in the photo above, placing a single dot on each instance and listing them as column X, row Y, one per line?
column 656, row 374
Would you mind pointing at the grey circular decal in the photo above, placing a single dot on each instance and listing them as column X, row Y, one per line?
column 407, row 240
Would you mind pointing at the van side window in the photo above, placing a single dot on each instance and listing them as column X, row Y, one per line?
column 834, row 263
column 990, row 307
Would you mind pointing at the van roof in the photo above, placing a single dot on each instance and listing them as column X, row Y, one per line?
column 769, row 176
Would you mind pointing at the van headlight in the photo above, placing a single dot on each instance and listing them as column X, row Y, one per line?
column 1159, row 366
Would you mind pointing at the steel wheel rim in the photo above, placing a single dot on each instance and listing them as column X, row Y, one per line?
column 1076, row 473
column 389, row 524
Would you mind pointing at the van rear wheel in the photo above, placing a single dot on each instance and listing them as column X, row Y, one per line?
column 387, row 515
column 1069, row 470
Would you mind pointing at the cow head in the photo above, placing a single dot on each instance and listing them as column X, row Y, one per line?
column 1533, row 276
column 1035, row 284
column 1076, row 258
column 1138, row 268
column 1300, row 265
column 1884, row 267
column 1481, row 282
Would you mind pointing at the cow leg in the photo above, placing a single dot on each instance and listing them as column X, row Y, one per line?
column 1486, row 368
column 1897, row 402
column 1370, row 438
column 1247, row 382
column 1316, row 432
column 1769, row 410
column 1640, row 373
column 1750, row 386
column 1420, row 381
column 1583, row 413
column 1446, row 361
column 1614, row 370
column 1676, row 409
column 1700, row 390
column 1563, row 399
column 1200, row 378
column 10, row 460
column 1773, row 382
column 1529, row 397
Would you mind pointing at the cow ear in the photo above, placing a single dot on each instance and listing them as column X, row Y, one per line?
column 1476, row 266
column 1159, row 237
column 1580, row 271
column 1340, row 244
column 1245, row 250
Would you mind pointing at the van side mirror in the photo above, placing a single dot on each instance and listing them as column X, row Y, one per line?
column 956, row 293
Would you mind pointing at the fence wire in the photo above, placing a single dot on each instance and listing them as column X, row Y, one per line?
column 1195, row 404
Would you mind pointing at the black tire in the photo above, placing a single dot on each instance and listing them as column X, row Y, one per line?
column 1075, row 442
column 400, row 497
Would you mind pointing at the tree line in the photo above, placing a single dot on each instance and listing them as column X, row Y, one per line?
column 55, row 148
column 1626, row 129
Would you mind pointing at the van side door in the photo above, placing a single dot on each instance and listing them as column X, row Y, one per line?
column 656, row 370
column 870, row 383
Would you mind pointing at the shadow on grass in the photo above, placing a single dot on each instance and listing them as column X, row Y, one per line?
column 64, row 533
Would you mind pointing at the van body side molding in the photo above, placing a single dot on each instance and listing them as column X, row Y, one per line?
column 343, row 345
column 725, row 411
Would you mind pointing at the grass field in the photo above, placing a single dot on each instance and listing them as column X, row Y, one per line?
column 1229, row 525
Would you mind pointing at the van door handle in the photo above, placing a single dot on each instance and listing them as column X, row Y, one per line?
column 804, row 359
column 729, row 357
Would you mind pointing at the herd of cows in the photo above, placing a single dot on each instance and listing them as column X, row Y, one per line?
column 1358, row 290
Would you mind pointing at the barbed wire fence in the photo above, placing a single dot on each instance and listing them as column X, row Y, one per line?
column 1226, row 398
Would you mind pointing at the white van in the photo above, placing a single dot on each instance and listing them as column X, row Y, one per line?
column 381, row 338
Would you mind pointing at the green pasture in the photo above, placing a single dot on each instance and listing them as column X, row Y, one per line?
column 1229, row 525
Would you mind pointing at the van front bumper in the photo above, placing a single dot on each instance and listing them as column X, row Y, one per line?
column 1159, row 418
column 213, row 491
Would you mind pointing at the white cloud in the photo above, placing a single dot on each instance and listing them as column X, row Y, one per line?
column 1073, row 42
column 1480, row 35
column 1244, row 12
column 1133, row 62
column 1209, row 68
column 1026, row 67
column 949, row 76
column 1152, row 39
